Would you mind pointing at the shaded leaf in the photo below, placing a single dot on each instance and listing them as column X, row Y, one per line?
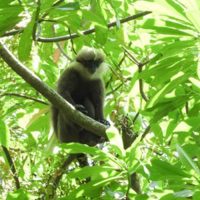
column 9, row 17
column 162, row 170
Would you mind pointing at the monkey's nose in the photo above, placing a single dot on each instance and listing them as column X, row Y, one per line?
column 92, row 70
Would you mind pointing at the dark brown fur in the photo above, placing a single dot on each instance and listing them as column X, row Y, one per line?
column 78, row 86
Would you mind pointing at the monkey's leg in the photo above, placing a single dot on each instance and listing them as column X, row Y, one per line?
column 67, row 131
column 89, row 107
column 87, row 137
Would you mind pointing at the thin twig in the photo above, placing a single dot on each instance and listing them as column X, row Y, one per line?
column 23, row 96
column 187, row 108
column 139, row 65
column 13, row 32
column 146, row 131
column 34, row 32
column 131, row 57
column 12, row 166
column 72, row 43
column 118, row 67
column 113, row 90
column 141, row 88
column 122, row 60
column 63, row 52
column 135, row 117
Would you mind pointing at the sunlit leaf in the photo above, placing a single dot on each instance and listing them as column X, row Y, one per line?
column 18, row 194
column 25, row 43
column 187, row 161
column 4, row 134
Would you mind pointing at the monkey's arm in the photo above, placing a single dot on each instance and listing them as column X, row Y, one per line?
column 98, row 102
column 66, row 85
column 98, row 99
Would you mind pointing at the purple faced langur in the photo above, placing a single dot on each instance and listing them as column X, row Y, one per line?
column 81, row 85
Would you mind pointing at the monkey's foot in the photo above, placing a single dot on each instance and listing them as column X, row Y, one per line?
column 81, row 108
column 105, row 122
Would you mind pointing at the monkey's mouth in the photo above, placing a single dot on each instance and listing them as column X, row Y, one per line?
column 92, row 70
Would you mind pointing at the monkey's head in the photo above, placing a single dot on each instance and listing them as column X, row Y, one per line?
column 92, row 62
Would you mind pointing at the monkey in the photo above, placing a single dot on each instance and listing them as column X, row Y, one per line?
column 81, row 85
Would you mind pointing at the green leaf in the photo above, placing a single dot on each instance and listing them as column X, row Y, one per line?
column 168, row 88
column 162, row 170
column 177, row 6
column 170, row 128
column 5, row 2
column 196, row 195
column 69, row 6
column 178, row 47
column 18, row 194
column 46, row 5
column 25, row 43
column 39, row 122
column 178, row 25
column 91, row 189
column 94, row 172
column 75, row 148
column 157, row 131
column 165, row 106
column 196, row 83
column 161, row 65
column 170, row 31
column 101, row 33
column 192, row 13
column 116, row 140
column 187, row 161
column 4, row 134
column 96, row 18
column 9, row 17
column 194, row 122
column 171, row 197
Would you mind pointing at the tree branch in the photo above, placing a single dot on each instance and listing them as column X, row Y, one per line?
column 139, row 65
column 92, row 30
column 12, row 166
column 76, row 116
column 13, row 32
column 75, row 35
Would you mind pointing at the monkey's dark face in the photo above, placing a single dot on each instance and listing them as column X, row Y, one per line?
column 91, row 65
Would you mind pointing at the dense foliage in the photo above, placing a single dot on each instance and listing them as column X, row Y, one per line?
column 152, row 99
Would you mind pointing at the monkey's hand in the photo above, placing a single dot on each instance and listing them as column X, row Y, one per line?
column 105, row 122
column 81, row 108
